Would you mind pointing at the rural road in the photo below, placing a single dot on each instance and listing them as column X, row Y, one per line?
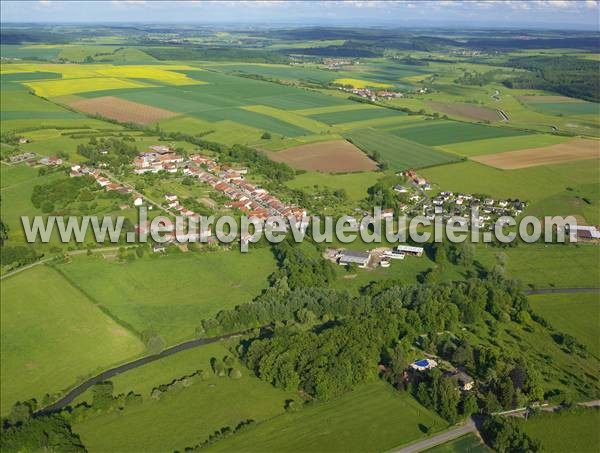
column 70, row 253
column 468, row 427
column 75, row 392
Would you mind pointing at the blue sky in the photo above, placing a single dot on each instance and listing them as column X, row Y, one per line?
column 410, row 13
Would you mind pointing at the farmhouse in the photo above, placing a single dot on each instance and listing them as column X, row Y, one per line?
column 161, row 149
column 586, row 233
column 51, row 160
column 423, row 364
column 410, row 250
column 138, row 201
column 347, row 257
column 170, row 197
column 465, row 382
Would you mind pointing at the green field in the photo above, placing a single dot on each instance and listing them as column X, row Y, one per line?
column 371, row 418
column 53, row 336
column 348, row 116
column 575, row 314
column 568, row 430
column 398, row 152
column 502, row 144
column 172, row 293
column 532, row 184
column 184, row 418
column 435, row 133
column 355, row 184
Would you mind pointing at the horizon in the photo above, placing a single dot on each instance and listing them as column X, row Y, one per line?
column 497, row 14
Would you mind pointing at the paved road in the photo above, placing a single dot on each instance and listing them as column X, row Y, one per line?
column 74, row 393
column 438, row 439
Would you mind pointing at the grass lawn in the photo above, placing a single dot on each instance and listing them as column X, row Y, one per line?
column 575, row 314
column 172, row 293
column 355, row 184
column 371, row 418
column 469, row 443
column 52, row 336
column 572, row 430
column 185, row 418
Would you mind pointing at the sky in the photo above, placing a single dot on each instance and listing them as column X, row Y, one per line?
column 565, row 14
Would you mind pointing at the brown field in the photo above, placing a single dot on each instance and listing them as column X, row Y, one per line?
column 121, row 110
column 472, row 112
column 337, row 156
column 577, row 149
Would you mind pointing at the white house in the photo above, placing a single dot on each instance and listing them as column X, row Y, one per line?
column 138, row 201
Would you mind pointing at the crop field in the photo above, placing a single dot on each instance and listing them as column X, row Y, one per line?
column 53, row 88
column 361, row 83
column 309, row 124
column 348, row 116
column 398, row 152
column 435, row 133
column 468, row 111
column 121, row 110
column 52, row 335
column 502, row 144
column 171, row 294
column 373, row 417
column 561, row 105
column 532, row 184
column 578, row 149
column 337, row 156
column 354, row 184
column 575, row 314
column 567, row 430
column 185, row 418
column 280, row 72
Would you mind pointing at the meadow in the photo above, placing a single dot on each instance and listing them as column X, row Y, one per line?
column 373, row 417
column 348, row 116
column 503, row 144
column 435, row 133
column 567, row 430
column 531, row 184
column 354, row 184
column 53, row 336
column 184, row 418
column 399, row 153
column 575, row 314
column 172, row 293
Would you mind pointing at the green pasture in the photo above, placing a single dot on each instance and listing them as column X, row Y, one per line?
column 435, row 133
column 348, row 116
column 531, row 184
column 503, row 144
column 567, row 430
column 24, row 52
column 53, row 336
column 184, row 418
column 371, row 418
column 577, row 314
column 354, row 184
column 172, row 293
column 398, row 152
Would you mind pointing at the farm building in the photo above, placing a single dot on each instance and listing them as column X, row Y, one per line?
column 465, row 382
column 161, row 149
column 583, row 232
column 410, row 250
column 170, row 197
column 347, row 257
column 423, row 364
column 138, row 201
